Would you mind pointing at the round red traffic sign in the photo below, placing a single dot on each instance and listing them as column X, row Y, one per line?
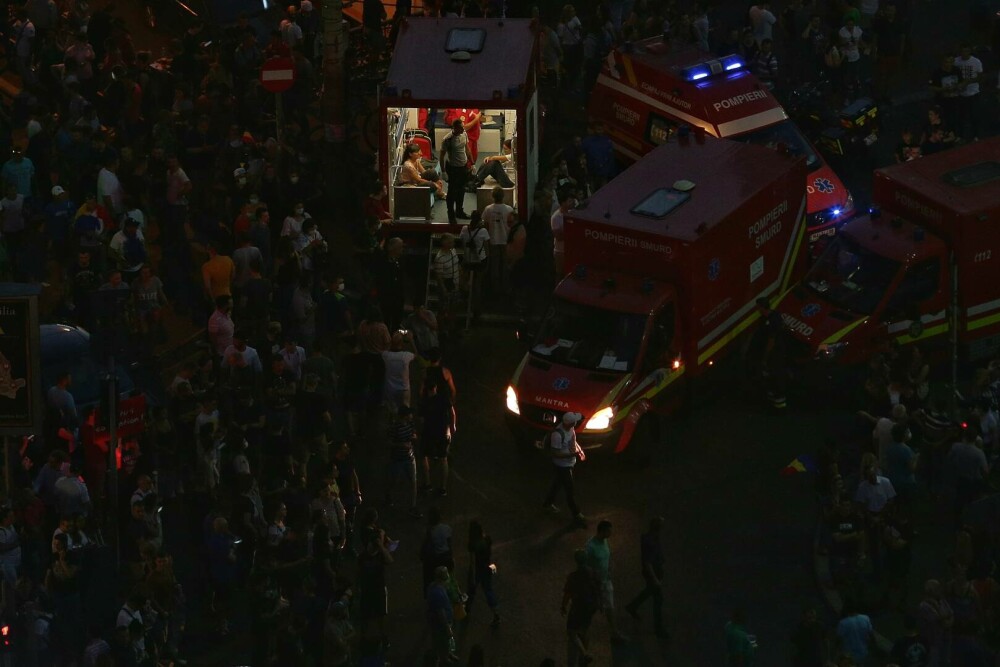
column 277, row 74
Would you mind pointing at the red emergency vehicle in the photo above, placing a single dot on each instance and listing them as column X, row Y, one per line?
column 667, row 262
column 920, row 266
column 646, row 91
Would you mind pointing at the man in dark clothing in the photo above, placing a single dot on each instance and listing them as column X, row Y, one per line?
column 652, row 573
column 809, row 642
column 581, row 596
column 390, row 281
column 910, row 650
column 769, row 353
column 457, row 160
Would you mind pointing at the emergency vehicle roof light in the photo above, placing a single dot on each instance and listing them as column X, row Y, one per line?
column 732, row 62
column 709, row 68
column 874, row 212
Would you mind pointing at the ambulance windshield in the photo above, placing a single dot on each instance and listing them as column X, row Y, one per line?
column 850, row 276
column 787, row 135
column 589, row 338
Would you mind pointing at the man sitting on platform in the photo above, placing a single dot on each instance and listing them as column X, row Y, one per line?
column 494, row 166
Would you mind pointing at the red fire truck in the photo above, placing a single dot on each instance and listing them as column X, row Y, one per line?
column 646, row 91
column 919, row 267
column 667, row 262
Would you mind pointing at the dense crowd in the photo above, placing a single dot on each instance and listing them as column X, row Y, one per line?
column 159, row 182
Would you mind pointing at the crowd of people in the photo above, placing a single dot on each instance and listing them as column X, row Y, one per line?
column 160, row 184
column 161, row 180
column 921, row 466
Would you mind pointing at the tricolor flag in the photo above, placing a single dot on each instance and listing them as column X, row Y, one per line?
column 804, row 463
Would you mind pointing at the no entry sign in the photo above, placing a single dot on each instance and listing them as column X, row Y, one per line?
column 277, row 74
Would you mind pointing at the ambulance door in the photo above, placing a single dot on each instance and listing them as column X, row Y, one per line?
column 660, row 364
column 916, row 311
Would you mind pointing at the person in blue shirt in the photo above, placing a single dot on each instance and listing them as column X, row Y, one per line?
column 20, row 171
column 58, row 218
column 855, row 632
column 440, row 615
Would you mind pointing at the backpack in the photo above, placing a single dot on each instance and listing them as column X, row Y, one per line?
column 547, row 440
column 513, row 232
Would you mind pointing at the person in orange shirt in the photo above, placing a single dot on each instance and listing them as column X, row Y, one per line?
column 472, row 122
column 217, row 274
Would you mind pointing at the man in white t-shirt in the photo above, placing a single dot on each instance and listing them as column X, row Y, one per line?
column 498, row 218
column 850, row 47
column 874, row 493
column 566, row 201
column 882, row 433
column 762, row 21
column 397, row 370
column 109, row 188
column 475, row 239
column 565, row 450
column 971, row 68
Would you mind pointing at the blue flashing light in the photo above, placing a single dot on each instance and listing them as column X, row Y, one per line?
column 836, row 211
column 705, row 69
column 732, row 62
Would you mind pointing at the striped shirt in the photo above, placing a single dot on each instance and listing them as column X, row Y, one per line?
column 446, row 264
column 401, row 435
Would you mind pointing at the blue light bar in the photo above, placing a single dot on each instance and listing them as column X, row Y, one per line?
column 708, row 68
column 733, row 62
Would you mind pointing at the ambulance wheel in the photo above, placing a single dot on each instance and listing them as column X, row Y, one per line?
column 644, row 441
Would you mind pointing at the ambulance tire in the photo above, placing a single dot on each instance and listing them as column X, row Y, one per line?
column 644, row 442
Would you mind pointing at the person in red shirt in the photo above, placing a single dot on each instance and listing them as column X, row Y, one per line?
column 472, row 122
column 374, row 204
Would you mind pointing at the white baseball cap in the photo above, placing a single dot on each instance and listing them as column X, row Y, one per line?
column 57, row 190
column 571, row 418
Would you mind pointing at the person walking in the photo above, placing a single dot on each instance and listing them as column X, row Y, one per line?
column 481, row 569
column 652, row 572
column 565, row 451
column 599, row 560
column 440, row 616
column 581, row 593
column 741, row 646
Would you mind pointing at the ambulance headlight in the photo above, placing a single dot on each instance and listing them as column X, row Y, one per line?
column 512, row 404
column 601, row 420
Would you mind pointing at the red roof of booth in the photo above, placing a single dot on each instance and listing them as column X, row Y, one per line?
column 422, row 65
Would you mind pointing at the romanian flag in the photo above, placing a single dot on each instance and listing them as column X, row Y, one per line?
column 804, row 463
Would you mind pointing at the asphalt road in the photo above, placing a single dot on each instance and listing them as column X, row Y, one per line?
column 737, row 533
